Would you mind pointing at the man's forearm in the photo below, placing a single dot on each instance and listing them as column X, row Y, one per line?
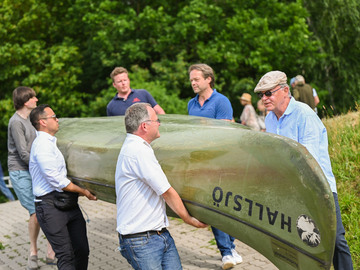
column 75, row 188
column 174, row 201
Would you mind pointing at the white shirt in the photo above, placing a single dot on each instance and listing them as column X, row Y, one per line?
column 47, row 165
column 139, row 184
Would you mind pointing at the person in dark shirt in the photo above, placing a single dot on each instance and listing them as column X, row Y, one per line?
column 126, row 96
column 303, row 92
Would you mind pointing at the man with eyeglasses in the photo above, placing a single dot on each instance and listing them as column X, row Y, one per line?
column 21, row 135
column 64, row 228
column 141, row 190
column 297, row 121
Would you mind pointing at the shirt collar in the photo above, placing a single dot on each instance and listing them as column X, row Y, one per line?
column 116, row 95
column 212, row 94
column 46, row 135
column 291, row 107
column 134, row 137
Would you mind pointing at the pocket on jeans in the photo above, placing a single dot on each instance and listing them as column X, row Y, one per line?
column 136, row 242
column 123, row 252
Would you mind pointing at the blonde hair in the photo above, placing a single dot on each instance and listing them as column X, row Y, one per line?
column 117, row 71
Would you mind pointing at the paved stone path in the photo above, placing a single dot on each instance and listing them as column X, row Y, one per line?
column 196, row 247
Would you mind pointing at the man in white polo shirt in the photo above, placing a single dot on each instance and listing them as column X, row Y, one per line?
column 141, row 192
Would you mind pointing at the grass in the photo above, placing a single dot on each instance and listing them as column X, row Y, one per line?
column 344, row 150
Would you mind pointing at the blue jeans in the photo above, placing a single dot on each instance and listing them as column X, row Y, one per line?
column 152, row 252
column 224, row 242
column 3, row 188
column 6, row 191
column 342, row 257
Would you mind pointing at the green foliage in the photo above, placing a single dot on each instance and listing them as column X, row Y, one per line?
column 161, row 94
column 2, row 200
column 336, row 25
column 6, row 111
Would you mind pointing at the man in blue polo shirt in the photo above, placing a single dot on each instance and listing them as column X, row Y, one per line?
column 126, row 96
column 211, row 104
column 207, row 102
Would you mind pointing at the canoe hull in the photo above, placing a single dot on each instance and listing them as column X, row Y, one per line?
column 263, row 189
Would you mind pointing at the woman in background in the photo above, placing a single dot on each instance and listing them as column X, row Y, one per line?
column 261, row 116
column 248, row 116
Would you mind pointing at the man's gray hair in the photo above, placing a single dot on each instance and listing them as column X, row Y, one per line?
column 286, row 85
column 135, row 115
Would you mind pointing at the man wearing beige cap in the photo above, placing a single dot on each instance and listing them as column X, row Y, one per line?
column 303, row 92
column 297, row 121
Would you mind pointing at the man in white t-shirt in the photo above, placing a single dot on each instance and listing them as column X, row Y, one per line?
column 141, row 192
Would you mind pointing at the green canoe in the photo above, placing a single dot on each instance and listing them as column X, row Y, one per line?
column 263, row 189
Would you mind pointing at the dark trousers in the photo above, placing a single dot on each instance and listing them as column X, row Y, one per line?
column 342, row 257
column 66, row 232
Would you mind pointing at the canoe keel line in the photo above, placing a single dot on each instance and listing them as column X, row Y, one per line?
column 265, row 190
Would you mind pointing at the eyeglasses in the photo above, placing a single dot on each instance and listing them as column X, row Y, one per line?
column 269, row 93
column 53, row 116
column 157, row 120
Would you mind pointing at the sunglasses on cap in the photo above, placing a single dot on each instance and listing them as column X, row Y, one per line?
column 269, row 93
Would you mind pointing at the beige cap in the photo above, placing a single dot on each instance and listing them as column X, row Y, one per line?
column 300, row 78
column 270, row 80
column 246, row 97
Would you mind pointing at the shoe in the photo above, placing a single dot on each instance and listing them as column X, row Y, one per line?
column 50, row 261
column 32, row 263
column 236, row 256
column 228, row 262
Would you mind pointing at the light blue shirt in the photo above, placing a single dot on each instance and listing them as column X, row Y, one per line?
column 47, row 165
column 217, row 106
column 301, row 123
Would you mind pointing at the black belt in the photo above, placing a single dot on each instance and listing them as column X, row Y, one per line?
column 50, row 195
column 142, row 234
